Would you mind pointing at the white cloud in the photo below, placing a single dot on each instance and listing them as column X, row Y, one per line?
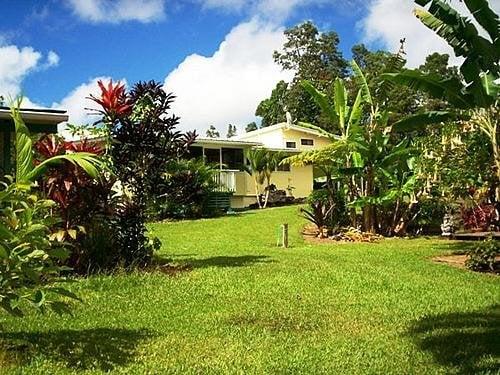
column 390, row 20
column 116, row 11
column 15, row 64
column 276, row 10
column 227, row 86
column 52, row 59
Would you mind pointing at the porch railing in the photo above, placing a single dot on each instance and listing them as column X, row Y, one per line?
column 226, row 181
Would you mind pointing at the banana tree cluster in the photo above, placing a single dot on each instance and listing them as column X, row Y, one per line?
column 373, row 169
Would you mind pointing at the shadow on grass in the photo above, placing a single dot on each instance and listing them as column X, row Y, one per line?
column 89, row 349
column 467, row 342
column 228, row 261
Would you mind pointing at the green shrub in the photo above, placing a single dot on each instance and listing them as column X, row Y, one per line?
column 29, row 258
column 326, row 210
column 483, row 256
column 184, row 191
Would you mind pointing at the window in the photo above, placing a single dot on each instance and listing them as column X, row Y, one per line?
column 306, row 142
column 291, row 145
column 212, row 156
column 195, row 152
column 232, row 158
column 283, row 168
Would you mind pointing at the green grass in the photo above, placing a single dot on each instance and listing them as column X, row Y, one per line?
column 250, row 307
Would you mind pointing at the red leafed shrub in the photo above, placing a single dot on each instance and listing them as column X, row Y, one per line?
column 479, row 217
column 84, row 146
column 79, row 197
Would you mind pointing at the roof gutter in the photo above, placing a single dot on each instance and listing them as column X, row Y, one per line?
column 37, row 117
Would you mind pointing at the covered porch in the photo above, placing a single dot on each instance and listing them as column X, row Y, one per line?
column 228, row 156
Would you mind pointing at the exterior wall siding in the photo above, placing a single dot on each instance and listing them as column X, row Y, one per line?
column 300, row 178
column 295, row 136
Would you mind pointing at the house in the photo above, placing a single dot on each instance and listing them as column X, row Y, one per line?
column 229, row 155
column 39, row 120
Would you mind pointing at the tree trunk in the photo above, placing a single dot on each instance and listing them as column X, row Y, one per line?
column 369, row 209
column 257, row 194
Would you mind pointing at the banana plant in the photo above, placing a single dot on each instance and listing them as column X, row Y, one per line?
column 26, row 171
column 476, row 98
column 361, row 149
column 480, row 69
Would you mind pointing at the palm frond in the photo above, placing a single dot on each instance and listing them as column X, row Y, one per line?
column 322, row 131
column 485, row 16
column 322, row 101
column 24, row 144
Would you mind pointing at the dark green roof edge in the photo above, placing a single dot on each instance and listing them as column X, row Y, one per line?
column 38, row 110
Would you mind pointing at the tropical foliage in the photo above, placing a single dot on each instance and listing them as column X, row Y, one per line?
column 142, row 140
column 475, row 98
column 26, row 170
column 261, row 165
column 373, row 169
column 184, row 190
column 29, row 257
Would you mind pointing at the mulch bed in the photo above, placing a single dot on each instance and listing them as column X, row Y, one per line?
column 311, row 235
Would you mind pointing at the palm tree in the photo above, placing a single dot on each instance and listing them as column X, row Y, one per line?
column 257, row 168
column 273, row 160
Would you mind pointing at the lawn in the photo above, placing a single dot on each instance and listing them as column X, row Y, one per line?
column 250, row 307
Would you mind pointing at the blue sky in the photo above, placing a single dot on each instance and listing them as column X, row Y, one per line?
column 207, row 51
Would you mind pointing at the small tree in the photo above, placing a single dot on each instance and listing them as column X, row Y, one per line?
column 257, row 165
column 231, row 131
column 212, row 132
column 29, row 258
column 262, row 164
column 251, row 127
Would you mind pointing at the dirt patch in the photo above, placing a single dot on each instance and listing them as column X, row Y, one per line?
column 455, row 260
column 174, row 270
column 458, row 261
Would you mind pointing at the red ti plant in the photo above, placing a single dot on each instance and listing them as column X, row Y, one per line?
column 479, row 217
column 65, row 182
column 114, row 101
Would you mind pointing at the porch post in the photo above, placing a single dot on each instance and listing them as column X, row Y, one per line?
column 220, row 159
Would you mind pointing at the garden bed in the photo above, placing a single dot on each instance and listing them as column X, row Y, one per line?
column 311, row 234
column 458, row 261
